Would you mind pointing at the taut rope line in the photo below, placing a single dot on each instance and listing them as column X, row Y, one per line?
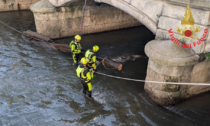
column 129, row 79
column 19, row 31
column 83, row 17
column 157, row 82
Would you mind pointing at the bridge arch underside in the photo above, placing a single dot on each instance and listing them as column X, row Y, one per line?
column 143, row 18
column 148, row 19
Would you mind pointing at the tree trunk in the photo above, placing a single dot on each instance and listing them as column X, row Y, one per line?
column 38, row 36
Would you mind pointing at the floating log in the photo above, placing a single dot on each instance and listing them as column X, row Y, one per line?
column 38, row 36
column 65, row 48
column 62, row 47
column 107, row 62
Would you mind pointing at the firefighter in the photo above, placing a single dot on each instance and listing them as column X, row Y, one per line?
column 90, row 54
column 76, row 49
column 86, row 76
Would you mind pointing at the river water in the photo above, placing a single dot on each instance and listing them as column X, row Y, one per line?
column 39, row 87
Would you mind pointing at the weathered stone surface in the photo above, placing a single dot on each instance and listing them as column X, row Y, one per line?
column 150, row 7
column 207, row 47
column 165, row 35
column 44, row 6
column 68, row 20
column 200, row 74
column 167, row 23
column 148, row 11
column 58, row 3
column 200, row 17
column 165, row 94
column 140, row 10
column 170, row 87
column 162, row 71
column 174, row 71
column 168, row 54
column 200, row 4
column 12, row 5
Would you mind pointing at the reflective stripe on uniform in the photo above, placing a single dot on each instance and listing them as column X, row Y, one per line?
column 88, row 55
column 79, row 70
column 77, row 47
column 89, row 86
column 81, row 74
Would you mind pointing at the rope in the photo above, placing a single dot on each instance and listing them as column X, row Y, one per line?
column 12, row 28
column 20, row 32
column 83, row 17
column 157, row 82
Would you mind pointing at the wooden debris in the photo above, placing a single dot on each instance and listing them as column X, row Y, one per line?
column 38, row 36
column 10, row 101
column 65, row 47
column 110, row 63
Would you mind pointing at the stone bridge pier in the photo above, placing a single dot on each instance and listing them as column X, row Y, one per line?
column 14, row 5
column 168, row 61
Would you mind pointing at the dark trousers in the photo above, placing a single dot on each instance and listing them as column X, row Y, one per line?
column 75, row 58
column 85, row 89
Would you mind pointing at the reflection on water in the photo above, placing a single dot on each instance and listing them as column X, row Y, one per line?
column 39, row 86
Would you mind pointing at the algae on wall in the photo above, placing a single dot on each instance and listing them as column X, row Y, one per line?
column 68, row 19
column 14, row 5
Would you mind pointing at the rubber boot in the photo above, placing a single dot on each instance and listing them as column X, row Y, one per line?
column 75, row 65
column 85, row 95
column 91, row 98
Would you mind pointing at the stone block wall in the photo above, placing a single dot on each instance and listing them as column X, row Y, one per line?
column 66, row 21
column 174, row 64
column 200, row 74
column 200, row 4
column 13, row 5
column 167, row 94
column 171, row 17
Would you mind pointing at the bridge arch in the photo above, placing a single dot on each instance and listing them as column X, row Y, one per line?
column 142, row 13
column 145, row 11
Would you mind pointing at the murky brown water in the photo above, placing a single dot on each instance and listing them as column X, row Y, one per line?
column 39, row 87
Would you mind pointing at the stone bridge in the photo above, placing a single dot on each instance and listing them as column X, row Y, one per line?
column 145, row 11
column 168, row 62
column 157, row 15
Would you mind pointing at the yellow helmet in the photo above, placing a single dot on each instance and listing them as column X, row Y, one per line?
column 78, row 37
column 84, row 61
column 95, row 48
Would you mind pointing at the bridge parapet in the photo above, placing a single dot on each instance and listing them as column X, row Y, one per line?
column 198, row 4
column 60, row 3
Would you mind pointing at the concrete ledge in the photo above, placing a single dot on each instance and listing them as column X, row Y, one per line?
column 43, row 6
column 170, row 70
column 169, row 54
column 59, row 3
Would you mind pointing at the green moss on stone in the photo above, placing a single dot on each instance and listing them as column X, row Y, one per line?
column 207, row 55
column 171, row 87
